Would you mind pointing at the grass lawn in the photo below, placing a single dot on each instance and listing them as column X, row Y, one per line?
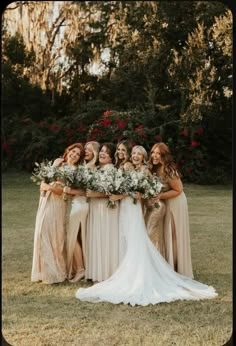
column 38, row 314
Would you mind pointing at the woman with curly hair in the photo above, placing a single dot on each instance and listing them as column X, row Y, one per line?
column 168, row 226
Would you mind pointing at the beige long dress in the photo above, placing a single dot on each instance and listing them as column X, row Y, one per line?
column 176, row 221
column 49, row 264
column 154, row 220
column 102, row 246
column 77, row 212
column 171, row 218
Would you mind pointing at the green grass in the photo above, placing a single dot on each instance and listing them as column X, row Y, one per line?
column 38, row 314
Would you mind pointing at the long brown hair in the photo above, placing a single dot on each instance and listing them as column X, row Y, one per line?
column 128, row 147
column 72, row 146
column 169, row 166
column 110, row 149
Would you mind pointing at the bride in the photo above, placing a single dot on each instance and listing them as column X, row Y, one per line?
column 143, row 277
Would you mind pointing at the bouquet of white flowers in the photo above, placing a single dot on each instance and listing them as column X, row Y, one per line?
column 81, row 177
column 66, row 175
column 139, row 182
column 44, row 172
column 153, row 189
column 85, row 178
column 135, row 181
column 103, row 180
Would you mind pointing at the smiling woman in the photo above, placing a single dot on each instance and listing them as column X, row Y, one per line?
column 102, row 227
column 49, row 262
column 168, row 226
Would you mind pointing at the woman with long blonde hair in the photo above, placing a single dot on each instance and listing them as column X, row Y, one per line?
column 77, row 214
column 91, row 154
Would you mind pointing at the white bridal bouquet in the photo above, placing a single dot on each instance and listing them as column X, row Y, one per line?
column 148, row 186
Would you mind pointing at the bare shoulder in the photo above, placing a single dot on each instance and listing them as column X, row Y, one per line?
column 175, row 182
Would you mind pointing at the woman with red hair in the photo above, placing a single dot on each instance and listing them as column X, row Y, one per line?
column 77, row 215
column 168, row 226
column 49, row 257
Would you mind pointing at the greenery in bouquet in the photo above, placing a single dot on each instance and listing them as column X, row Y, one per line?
column 85, row 177
column 66, row 175
column 148, row 186
column 154, row 186
column 104, row 181
column 135, row 182
column 44, row 172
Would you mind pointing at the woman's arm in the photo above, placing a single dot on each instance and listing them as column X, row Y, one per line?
column 116, row 197
column 176, row 189
column 55, row 188
column 90, row 193
column 77, row 192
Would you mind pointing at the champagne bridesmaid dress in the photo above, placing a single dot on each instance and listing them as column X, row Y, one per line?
column 154, row 220
column 102, row 248
column 177, row 222
column 77, row 212
column 49, row 264
column 171, row 219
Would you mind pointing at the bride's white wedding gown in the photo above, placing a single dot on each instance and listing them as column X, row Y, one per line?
column 143, row 277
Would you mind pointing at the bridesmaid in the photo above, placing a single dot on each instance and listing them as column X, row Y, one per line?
column 91, row 154
column 122, row 155
column 174, row 230
column 122, row 161
column 102, row 231
column 49, row 264
column 77, row 213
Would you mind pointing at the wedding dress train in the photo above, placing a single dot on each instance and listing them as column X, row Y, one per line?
column 143, row 277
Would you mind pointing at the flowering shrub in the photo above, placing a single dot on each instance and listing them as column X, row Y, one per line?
column 191, row 155
column 26, row 141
